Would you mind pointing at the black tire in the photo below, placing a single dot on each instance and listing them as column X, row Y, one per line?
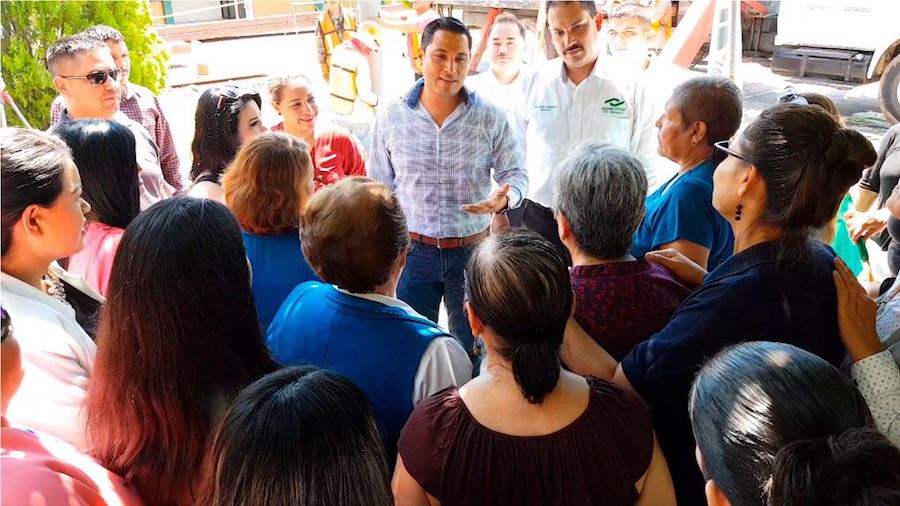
column 890, row 90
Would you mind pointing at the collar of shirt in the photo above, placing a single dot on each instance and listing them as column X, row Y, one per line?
column 412, row 97
column 599, row 70
column 381, row 299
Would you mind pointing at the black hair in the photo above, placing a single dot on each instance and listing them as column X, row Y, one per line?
column 589, row 6
column 32, row 165
column 778, row 426
column 179, row 331
column 517, row 283
column 7, row 324
column 104, row 33
column 215, row 128
column 447, row 23
column 104, row 152
column 808, row 162
column 69, row 47
column 301, row 435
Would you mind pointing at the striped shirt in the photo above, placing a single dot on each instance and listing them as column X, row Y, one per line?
column 435, row 171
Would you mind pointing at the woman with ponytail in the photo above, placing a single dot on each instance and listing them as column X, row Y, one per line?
column 783, row 178
column 761, row 444
column 525, row 431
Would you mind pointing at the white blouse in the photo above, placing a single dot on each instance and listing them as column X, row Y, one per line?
column 57, row 358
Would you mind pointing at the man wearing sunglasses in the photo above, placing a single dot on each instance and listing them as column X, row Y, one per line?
column 136, row 102
column 85, row 75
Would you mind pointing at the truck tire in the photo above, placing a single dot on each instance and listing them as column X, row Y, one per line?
column 890, row 90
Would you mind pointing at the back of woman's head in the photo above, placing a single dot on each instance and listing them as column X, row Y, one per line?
column 32, row 167
column 301, row 435
column 751, row 404
column 808, row 163
column 105, row 155
column 268, row 184
column 517, row 283
column 216, row 128
column 859, row 467
column 178, row 334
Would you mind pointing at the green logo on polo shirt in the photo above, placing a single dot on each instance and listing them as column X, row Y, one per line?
column 615, row 107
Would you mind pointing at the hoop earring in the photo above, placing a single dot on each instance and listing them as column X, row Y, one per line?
column 738, row 212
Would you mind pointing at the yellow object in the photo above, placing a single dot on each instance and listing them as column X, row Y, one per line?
column 415, row 44
column 329, row 32
column 342, row 82
column 350, row 84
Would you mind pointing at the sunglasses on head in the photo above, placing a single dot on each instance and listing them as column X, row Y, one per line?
column 97, row 77
column 232, row 93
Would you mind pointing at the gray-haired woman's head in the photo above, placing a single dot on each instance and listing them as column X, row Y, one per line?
column 600, row 190
column 714, row 100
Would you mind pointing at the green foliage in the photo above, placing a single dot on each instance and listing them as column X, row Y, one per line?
column 30, row 27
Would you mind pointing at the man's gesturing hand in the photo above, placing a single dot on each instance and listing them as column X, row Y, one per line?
column 497, row 201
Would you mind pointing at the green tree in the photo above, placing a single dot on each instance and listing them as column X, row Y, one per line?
column 30, row 27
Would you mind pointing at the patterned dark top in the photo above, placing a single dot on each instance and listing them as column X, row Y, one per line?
column 595, row 460
column 622, row 304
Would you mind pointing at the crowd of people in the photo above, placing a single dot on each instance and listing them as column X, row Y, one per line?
column 641, row 308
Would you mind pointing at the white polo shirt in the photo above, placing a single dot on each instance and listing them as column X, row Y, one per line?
column 502, row 95
column 553, row 115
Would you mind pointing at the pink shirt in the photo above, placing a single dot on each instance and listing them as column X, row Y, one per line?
column 37, row 469
column 94, row 262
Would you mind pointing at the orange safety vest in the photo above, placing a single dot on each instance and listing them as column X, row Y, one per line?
column 342, row 82
column 329, row 32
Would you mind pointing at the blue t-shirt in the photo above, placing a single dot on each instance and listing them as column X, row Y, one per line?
column 683, row 209
column 747, row 298
column 278, row 265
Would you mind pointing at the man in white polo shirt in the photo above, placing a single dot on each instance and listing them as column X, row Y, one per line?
column 568, row 100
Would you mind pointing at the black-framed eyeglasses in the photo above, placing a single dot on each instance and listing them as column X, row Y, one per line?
column 97, row 77
column 723, row 146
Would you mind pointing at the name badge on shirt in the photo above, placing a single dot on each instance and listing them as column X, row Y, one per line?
column 546, row 108
column 614, row 108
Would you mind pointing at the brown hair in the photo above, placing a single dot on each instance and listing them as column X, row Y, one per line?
column 352, row 234
column 714, row 100
column 808, row 163
column 277, row 85
column 825, row 103
column 266, row 186
column 509, row 19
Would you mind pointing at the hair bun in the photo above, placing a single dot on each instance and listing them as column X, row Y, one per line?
column 859, row 464
column 848, row 153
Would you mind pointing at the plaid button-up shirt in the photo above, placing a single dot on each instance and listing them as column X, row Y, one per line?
column 141, row 105
column 435, row 171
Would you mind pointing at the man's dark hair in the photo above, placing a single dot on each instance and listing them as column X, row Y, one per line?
column 449, row 24
column 590, row 7
column 104, row 33
column 69, row 47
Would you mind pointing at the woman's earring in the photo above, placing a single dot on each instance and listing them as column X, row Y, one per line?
column 737, row 212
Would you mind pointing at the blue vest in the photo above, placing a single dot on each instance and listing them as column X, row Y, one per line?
column 278, row 266
column 378, row 347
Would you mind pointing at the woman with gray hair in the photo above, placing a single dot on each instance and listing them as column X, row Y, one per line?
column 619, row 300
column 680, row 214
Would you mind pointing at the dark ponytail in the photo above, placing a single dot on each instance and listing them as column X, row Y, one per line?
column 518, row 285
column 808, row 163
column 859, row 467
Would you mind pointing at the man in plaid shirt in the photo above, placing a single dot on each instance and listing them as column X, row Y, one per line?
column 436, row 149
column 137, row 102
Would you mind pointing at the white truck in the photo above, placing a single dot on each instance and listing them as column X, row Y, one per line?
column 863, row 36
